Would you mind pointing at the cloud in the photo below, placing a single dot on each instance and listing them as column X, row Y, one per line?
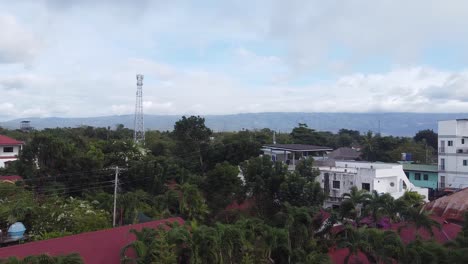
column 241, row 56
column 17, row 44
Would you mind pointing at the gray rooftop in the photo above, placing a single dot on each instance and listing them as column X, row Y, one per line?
column 297, row 147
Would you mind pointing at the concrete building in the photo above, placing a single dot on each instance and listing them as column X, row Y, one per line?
column 382, row 177
column 422, row 175
column 453, row 154
column 290, row 154
column 9, row 150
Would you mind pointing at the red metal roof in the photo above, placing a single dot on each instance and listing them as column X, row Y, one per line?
column 338, row 256
column 94, row 247
column 8, row 141
column 450, row 207
column 11, row 178
column 447, row 232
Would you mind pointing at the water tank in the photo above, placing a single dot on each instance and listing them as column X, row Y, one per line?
column 16, row 230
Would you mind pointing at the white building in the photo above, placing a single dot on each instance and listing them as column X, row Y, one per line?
column 382, row 177
column 290, row 154
column 453, row 153
column 9, row 150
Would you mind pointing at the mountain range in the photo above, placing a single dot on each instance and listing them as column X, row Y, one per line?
column 397, row 124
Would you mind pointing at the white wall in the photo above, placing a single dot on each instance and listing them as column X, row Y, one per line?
column 383, row 178
column 14, row 154
column 456, row 174
column 8, row 154
column 2, row 162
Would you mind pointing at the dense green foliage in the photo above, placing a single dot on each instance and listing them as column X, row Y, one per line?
column 194, row 173
column 45, row 259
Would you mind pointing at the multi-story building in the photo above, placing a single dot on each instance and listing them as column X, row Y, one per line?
column 453, row 153
column 9, row 150
column 390, row 178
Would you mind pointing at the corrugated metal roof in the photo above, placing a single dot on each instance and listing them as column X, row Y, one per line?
column 450, row 207
column 94, row 247
column 420, row 167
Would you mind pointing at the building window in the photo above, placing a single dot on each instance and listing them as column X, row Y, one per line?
column 366, row 186
column 417, row 176
column 465, row 162
column 425, row 177
column 442, row 182
column 7, row 149
column 336, row 184
column 463, row 141
column 450, row 143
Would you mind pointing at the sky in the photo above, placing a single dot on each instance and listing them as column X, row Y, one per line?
column 80, row 58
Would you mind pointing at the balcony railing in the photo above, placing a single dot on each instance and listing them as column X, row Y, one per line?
column 442, row 167
column 462, row 150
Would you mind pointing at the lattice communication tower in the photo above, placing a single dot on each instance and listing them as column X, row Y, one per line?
column 139, row 125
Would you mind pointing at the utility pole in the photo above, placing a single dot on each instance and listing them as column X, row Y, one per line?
column 116, row 182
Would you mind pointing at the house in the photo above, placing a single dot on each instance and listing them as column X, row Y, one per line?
column 422, row 175
column 99, row 247
column 344, row 154
column 9, row 150
column 290, row 154
column 453, row 154
column 338, row 179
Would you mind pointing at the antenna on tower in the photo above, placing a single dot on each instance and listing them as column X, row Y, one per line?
column 138, row 124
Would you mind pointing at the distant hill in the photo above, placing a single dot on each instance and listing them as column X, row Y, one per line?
column 397, row 124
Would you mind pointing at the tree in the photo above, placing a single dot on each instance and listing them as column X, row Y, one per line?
column 192, row 136
column 150, row 246
column 356, row 240
column 427, row 136
column 73, row 258
column 192, row 203
column 263, row 179
column 222, row 185
column 352, row 203
column 302, row 134
column 420, row 219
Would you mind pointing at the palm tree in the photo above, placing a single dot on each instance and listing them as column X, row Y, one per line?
column 151, row 245
column 351, row 206
column 356, row 240
column 192, row 204
column 374, row 206
column 419, row 252
column 369, row 142
column 420, row 219
column 206, row 245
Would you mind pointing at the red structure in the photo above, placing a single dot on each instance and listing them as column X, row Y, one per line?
column 8, row 141
column 450, row 207
column 99, row 247
column 10, row 178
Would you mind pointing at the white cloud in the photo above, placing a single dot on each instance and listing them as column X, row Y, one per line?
column 241, row 56
column 17, row 44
